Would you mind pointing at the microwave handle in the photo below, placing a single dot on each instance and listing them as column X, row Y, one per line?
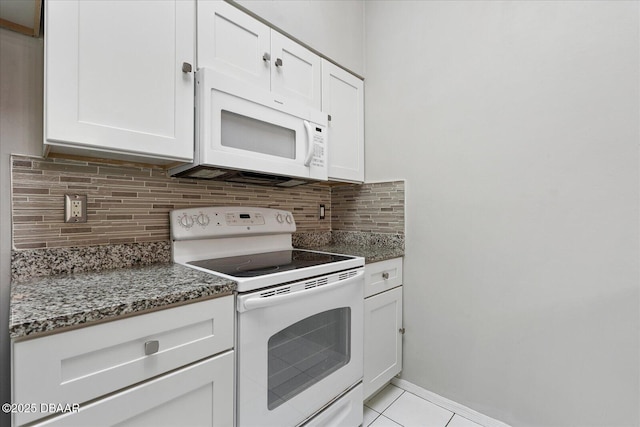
column 307, row 160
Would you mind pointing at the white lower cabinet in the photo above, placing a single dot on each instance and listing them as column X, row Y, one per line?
column 383, row 328
column 198, row 395
column 167, row 367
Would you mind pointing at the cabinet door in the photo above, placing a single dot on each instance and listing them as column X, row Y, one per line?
column 295, row 71
column 113, row 77
column 343, row 100
column 198, row 395
column 86, row 363
column 382, row 339
column 233, row 43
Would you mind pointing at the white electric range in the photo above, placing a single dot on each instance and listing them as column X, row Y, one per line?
column 299, row 317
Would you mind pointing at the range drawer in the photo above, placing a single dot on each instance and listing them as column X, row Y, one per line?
column 382, row 276
column 82, row 364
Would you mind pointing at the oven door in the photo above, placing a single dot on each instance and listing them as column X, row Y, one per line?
column 299, row 347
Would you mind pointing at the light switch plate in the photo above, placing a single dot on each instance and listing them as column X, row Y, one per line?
column 75, row 208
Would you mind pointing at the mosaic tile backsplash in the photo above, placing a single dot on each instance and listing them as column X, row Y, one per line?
column 128, row 206
column 374, row 208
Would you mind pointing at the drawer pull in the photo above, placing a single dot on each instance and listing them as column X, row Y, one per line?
column 385, row 275
column 151, row 347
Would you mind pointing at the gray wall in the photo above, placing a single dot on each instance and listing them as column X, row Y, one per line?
column 516, row 125
column 21, row 65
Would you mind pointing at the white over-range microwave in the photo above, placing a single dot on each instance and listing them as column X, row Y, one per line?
column 250, row 135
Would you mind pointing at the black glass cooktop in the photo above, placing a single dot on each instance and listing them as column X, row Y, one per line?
column 267, row 263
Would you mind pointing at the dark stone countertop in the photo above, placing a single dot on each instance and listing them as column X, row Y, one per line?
column 52, row 303
column 370, row 253
column 373, row 247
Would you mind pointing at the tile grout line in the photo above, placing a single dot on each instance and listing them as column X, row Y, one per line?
column 389, row 406
column 435, row 404
column 394, row 401
column 374, row 420
column 458, row 409
column 453, row 414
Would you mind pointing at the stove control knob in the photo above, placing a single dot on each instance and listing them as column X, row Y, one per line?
column 289, row 219
column 203, row 220
column 279, row 218
column 185, row 221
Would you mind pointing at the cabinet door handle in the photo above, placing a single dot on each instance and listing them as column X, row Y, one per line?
column 401, row 330
column 186, row 67
column 278, row 62
column 266, row 57
column 385, row 275
column 151, row 347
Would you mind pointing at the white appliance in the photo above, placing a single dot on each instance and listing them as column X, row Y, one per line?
column 299, row 343
column 248, row 134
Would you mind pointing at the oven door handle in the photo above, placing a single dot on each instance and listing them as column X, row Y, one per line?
column 254, row 302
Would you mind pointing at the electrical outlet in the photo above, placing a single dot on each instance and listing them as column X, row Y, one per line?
column 75, row 208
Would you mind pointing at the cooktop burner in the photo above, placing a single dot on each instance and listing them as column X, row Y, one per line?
column 267, row 263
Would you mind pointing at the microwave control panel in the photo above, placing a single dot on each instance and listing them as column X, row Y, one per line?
column 319, row 152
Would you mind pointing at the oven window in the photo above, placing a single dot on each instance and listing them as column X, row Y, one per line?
column 253, row 135
column 306, row 352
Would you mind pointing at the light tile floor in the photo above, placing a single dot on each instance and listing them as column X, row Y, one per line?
column 393, row 407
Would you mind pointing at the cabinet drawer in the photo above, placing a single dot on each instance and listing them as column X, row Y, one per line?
column 82, row 364
column 198, row 395
column 381, row 276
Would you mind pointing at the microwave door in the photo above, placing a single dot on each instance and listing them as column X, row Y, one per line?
column 240, row 133
column 255, row 136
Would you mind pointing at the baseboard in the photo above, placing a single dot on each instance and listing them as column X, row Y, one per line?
column 450, row 405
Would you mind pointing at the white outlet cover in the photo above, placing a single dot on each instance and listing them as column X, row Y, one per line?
column 75, row 208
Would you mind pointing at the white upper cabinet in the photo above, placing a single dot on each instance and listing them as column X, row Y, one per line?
column 114, row 79
column 234, row 43
column 343, row 100
column 295, row 71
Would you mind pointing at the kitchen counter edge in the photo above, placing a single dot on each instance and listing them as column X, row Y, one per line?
column 50, row 304
column 370, row 253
